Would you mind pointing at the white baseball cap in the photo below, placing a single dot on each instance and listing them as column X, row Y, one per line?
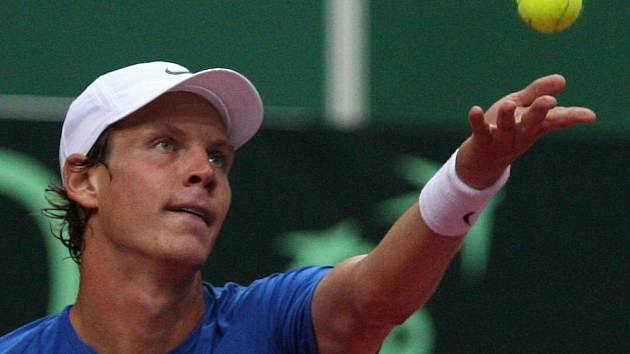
column 117, row 94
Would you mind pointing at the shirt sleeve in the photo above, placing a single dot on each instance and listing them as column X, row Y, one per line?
column 291, row 302
column 276, row 310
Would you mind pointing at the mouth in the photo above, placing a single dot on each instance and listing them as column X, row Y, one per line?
column 203, row 215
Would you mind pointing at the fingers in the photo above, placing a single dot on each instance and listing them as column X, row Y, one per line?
column 505, row 118
column 506, row 125
column 545, row 86
column 478, row 124
column 563, row 117
column 537, row 112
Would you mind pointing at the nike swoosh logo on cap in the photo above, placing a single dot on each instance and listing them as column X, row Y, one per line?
column 168, row 71
column 467, row 218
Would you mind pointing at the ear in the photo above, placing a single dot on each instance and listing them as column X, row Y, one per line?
column 81, row 184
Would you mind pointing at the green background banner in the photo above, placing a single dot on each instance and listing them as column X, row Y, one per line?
column 427, row 61
column 544, row 271
column 545, row 268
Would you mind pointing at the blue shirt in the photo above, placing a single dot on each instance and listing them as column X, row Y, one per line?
column 272, row 315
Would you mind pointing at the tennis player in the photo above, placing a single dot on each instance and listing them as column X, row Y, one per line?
column 145, row 155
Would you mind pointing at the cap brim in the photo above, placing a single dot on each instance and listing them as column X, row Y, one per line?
column 237, row 95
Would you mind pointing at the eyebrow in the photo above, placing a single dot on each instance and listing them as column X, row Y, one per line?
column 169, row 128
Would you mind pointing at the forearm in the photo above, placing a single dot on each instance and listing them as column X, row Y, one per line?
column 373, row 293
column 365, row 297
column 402, row 273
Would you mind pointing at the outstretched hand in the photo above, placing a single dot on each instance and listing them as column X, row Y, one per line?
column 511, row 126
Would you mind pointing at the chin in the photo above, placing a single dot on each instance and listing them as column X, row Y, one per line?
column 188, row 253
column 185, row 260
column 185, row 246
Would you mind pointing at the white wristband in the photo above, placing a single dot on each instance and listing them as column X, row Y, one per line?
column 449, row 206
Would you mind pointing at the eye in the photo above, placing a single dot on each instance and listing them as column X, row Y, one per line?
column 217, row 159
column 165, row 145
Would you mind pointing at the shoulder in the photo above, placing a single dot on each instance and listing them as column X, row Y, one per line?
column 296, row 277
column 272, row 313
column 296, row 280
column 33, row 337
column 264, row 295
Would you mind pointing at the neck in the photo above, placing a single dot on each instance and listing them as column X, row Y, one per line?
column 135, row 305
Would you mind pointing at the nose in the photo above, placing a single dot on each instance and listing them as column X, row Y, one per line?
column 198, row 169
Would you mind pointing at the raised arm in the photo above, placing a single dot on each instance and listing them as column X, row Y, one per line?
column 360, row 301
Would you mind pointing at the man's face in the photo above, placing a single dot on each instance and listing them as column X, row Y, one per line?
column 168, row 193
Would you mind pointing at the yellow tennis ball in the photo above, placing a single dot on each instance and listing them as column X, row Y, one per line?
column 549, row 15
